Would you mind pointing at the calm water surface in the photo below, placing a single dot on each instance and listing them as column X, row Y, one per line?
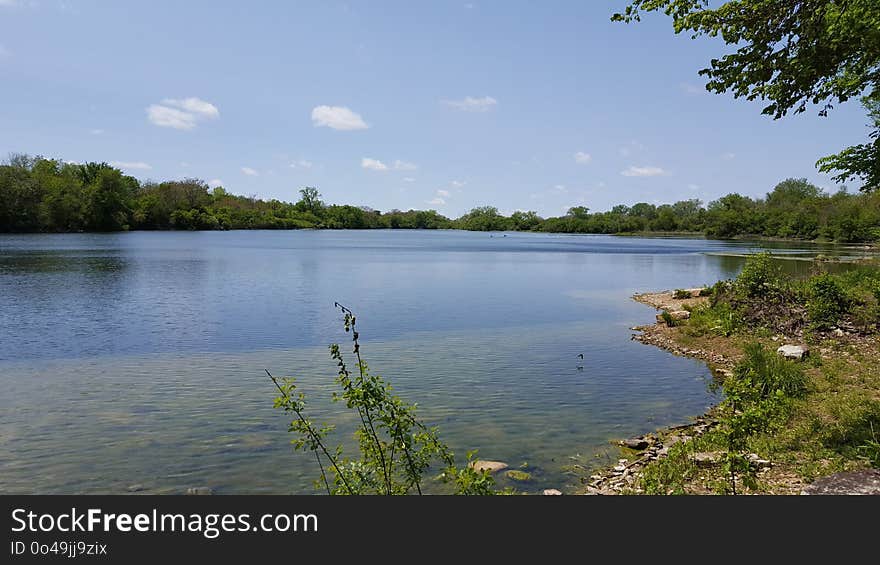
column 137, row 358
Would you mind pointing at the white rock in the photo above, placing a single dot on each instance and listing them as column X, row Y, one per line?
column 491, row 466
column 552, row 492
column 796, row 352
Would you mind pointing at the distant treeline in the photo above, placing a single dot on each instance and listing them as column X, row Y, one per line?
column 48, row 195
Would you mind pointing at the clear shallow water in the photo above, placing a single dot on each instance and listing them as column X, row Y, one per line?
column 137, row 358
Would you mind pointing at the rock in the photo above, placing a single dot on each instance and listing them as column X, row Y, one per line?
column 135, row 488
column 620, row 468
column 850, row 482
column 707, row 458
column 796, row 352
column 675, row 314
column 695, row 292
column 516, row 475
column 635, row 443
column 552, row 492
column 599, row 491
column 839, row 332
column 491, row 466
column 757, row 461
column 200, row 491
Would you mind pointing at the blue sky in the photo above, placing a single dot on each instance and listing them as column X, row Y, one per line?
column 396, row 104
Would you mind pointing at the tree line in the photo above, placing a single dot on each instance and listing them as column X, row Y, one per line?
column 50, row 195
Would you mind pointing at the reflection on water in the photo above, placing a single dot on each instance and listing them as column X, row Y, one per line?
column 137, row 359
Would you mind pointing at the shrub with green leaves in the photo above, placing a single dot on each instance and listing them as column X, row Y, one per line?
column 759, row 277
column 396, row 448
column 681, row 294
column 826, row 302
column 758, row 398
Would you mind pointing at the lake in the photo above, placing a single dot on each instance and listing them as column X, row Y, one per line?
column 135, row 361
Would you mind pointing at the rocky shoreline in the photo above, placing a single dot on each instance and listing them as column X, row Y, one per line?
column 643, row 450
column 639, row 452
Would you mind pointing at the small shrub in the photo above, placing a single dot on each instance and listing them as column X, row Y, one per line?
column 681, row 294
column 826, row 301
column 865, row 309
column 395, row 448
column 760, row 277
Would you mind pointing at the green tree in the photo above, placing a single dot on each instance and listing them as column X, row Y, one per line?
column 484, row 218
column 578, row 212
column 790, row 54
column 525, row 221
column 310, row 201
column 859, row 161
column 107, row 200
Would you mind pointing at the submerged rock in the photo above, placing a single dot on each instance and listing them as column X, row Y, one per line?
column 796, row 352
column 516, row 475
column 491, row 466
column 636, row 443
column 850, row 482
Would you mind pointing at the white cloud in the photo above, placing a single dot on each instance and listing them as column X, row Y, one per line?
column 397, row 165
column 404, row 166
column 582, row 158
column 182, row 113
column 644, row 172
column 166, row 117
column 337, row 117
column 9, row 3
column 561, row 188
column 195, row 106
column 137, row 165
column 301, row 164
column 408, row 179
column 458, row 183
column 4, row 52
column 443, row 193
column 694, row 187
column 437, row 201
column 214, row 183
column 728, row 156
column 250, row 172
column 471, row 104
column 96, row 131
column 373, row 164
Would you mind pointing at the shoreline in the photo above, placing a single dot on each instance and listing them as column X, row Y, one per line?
column 841, row 363
column 639, row 451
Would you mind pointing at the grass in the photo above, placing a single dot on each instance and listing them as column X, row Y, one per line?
column 831, row 425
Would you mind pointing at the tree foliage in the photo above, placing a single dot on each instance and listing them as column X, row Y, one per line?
column 790, row 54
column 49, row 195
